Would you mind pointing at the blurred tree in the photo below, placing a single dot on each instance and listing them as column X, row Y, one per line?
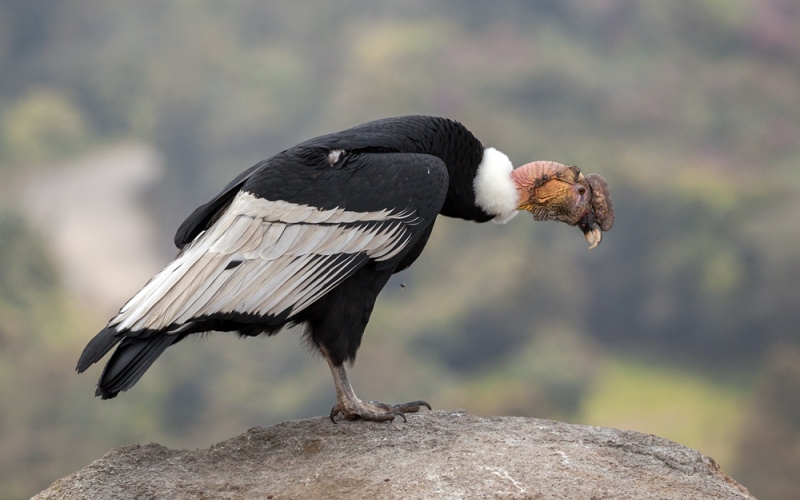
column 28, row 279
column 42, row 126
column 769, row 454
column 24, row 29
column 691, row 110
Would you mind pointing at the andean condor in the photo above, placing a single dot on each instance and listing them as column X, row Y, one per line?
column 311, row 236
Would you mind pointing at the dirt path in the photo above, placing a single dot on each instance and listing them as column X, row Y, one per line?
column 90, row 211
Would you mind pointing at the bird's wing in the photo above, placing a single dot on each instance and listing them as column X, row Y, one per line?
column 204, row 214
column 266, row 260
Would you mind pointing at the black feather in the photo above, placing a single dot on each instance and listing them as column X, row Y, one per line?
column 129, row 362
column 97, row 348
column 421, row 165
column 205, row 214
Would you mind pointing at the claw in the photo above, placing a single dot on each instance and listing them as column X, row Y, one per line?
column 377, row 411
column 353, row 408
column 417, row 404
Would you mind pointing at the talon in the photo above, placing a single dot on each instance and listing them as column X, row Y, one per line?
column 409, row 407
column 376, row 411
column 353, row 408
column 335, row 411
column 420, row 403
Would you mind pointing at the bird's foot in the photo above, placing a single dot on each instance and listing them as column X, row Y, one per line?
column 375, row 410
column 349, row 405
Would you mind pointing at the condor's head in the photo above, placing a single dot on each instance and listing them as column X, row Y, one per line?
column 552, row 191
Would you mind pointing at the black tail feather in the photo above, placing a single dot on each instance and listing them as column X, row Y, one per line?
column 97, row 348
column 129, row 362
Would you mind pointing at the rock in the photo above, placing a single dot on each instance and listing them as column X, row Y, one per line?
column 441, row 454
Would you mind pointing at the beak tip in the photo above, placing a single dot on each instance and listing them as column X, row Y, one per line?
column 594, row 236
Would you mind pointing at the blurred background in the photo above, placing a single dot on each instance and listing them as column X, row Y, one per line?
column 117, row 119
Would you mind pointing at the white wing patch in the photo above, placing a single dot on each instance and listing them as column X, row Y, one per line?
column 265, row 258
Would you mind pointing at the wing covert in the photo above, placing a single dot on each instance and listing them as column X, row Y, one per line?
column 265, row 258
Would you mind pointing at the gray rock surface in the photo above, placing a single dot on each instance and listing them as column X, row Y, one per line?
column 441, row 454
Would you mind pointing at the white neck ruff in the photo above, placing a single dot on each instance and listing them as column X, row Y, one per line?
column 495, row 191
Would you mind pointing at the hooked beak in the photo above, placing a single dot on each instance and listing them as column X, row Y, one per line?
column 590, row 229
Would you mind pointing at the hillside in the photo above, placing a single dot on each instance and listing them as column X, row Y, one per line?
column 683, row 323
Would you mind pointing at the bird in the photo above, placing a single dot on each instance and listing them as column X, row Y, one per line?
column 310, row 236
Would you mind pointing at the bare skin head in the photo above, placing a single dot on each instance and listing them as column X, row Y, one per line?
column 552, row 191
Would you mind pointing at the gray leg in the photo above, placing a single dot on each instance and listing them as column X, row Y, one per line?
column 348, row 404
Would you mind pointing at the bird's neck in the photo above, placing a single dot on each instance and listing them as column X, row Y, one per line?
column 496, row 191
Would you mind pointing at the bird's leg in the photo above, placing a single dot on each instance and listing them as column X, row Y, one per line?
column 348, row 404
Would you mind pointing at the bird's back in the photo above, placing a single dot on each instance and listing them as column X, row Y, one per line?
column 339, row 210
column 328, row 155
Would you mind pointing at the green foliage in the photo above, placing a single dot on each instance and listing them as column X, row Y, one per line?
column 28, row 282
column 689, row 109
column 42, row 126
column 773, row 427
column 32, row 314
column 678, row 404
